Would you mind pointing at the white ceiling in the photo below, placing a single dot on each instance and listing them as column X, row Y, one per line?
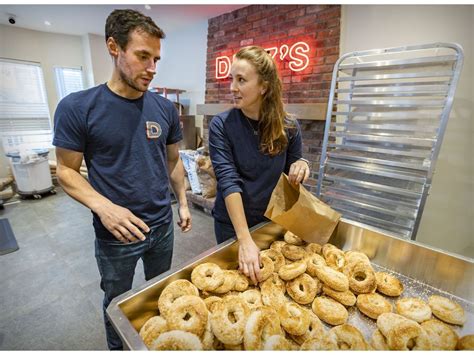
column 82, row 19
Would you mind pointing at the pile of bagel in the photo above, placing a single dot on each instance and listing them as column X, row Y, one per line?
column 303, row 284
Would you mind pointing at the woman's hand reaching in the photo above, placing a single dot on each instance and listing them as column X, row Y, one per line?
column 249, row 258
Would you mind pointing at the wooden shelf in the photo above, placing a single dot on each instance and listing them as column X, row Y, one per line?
column 315, row 112
column 167, row 91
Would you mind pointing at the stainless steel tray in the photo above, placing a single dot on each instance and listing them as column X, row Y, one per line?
column 424, row 271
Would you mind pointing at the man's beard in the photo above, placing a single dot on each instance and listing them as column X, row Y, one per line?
column 130, row 83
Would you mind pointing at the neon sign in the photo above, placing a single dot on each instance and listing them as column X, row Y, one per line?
column 298, row 59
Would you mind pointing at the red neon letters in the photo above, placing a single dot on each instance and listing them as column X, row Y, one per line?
column 298, row 59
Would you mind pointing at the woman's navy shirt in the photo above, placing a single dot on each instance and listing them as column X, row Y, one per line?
column 241, row 167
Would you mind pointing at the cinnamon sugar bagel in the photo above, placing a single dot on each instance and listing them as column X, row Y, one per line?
column 152, row 328
column 313, row 248
column 314, row 329
column 207, row 276
column 293, row 252
column 275, row 281
column 323, row 341
column 302, row 289
column 335, row 259
column 177, row 340
column 349, row 337
column 207, row 338
column 362, row 278
column 347, row 298
column 211, row 301
column 241, row 281
column 229, row 318
column 189, row 314
column 262, row 323
column 294, row 318
column 267, row 267
column 373, row 305
column 173, row 291
column 314, row 261
column 277, row 258
column 352, row 257
column 466, row 342
column 229, row 282
column 253, row 297
column 326, row 247
column 402, row 333
column 330, row 311
column 291, row 238
column 378, row 341
column 278, row 342
column 332, row 278
column 293, row 270
column 447, row 310
column 441, row 336
column 413, row 308
column 388, row 284
column 277, row 245
column 273, row 292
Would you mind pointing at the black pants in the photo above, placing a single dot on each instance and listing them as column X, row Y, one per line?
column 225, row 231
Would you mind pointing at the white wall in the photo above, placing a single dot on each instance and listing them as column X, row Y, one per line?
column 102, row 64
column 183, row 64
column 49, row 49
column 447, row 221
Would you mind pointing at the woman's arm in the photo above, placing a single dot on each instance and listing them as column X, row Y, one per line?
column 249, row 253
column 296, row 167
column 230, row 184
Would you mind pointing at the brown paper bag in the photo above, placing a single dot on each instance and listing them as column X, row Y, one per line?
column 206, row 176
column 297, row 210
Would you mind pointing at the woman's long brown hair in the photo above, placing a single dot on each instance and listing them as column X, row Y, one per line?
column 271, row 122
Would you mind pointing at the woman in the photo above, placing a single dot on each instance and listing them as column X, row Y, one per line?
column 250, row 146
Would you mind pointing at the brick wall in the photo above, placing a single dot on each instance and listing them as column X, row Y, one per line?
column 276, row 26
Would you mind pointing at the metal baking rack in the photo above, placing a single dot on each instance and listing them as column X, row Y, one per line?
column 387, row 114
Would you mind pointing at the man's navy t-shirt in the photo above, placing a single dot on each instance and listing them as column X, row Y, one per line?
column 124, row 145
column 241, row 167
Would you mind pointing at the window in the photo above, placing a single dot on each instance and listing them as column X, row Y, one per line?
column 68, row 80
column 24, row 112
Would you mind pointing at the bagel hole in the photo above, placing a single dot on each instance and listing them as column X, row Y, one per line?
column 231, row 317
column 360, row 276
column 301, row 288
column 342, row 345
column 411, row 343
column 187, row 316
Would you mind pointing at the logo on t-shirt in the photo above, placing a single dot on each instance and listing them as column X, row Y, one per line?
column 153, row 130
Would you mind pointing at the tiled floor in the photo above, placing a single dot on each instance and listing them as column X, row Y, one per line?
column 50, row 297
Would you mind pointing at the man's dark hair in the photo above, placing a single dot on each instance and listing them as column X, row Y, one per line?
column 121, row 23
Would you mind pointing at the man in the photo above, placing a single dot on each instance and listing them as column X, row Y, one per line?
column 129, row 138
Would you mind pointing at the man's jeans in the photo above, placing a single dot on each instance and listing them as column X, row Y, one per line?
column 117, row 262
